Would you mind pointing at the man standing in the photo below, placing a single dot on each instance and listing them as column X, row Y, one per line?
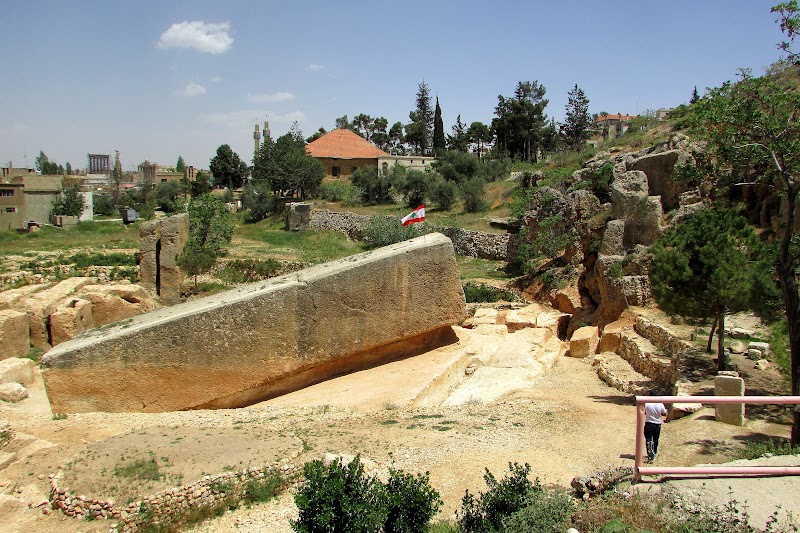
column 654, row 413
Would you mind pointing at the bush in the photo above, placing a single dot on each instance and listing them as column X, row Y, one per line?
column 169, row 196
column 472, row 191
column 494, row 170
column 504, row 498
column 259, row 202
column 339, row 191
column 475, row 293
column 248, row 270
column 342, row 498
column 546, row 511
column 337, row 498
column 415, row 187
column 376, row 187
column 103, row 205
column 444, row 193
column 383, row 231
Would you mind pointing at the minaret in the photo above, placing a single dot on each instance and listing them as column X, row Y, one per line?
column 256, row 139
column 266, row 130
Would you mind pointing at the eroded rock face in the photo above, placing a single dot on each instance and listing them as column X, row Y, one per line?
column 14, row 333
column 659, row 169
column 261, row 340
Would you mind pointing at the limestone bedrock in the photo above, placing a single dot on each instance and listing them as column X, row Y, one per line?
column 267, row 338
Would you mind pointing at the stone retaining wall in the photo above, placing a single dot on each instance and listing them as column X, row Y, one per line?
column 660, row 336
column 647, row 361
column 170, row 503
column 495, row 246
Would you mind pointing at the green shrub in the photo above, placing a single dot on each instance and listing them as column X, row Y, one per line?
column 341, row 498
column 443, row 194
column 339, row 191
column 264, row 489
column 546, row 511
column 143, row 469
column 337, row 498
column 259, row 202
column 774, row 446
column 249, row 270
column 84, row 260
column 375, row 186
column 103, row 204
column 487, row 511
column 480, row 293
column 472, row 192
column 383, row 231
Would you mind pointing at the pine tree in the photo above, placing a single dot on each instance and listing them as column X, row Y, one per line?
column 420, row 130
column 438, row 129
column 180, row 166
column 575, row 129
column 695, row 97
column 459, row 140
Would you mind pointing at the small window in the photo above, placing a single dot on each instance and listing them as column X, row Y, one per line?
column 163, row 180
column 335, row 171
column 11, row 209
column 385, row 167
column 6, row 192
column 353, row 170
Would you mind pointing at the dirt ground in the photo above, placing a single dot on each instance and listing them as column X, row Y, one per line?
column 569, row 423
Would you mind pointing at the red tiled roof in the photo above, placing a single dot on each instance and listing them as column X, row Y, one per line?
column 343, row 144
column 615, row 117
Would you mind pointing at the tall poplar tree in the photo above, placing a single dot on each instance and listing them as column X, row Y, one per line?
column 438, row 129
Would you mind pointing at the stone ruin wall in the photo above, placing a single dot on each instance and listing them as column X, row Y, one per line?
column 495, row 246
column 168, row 503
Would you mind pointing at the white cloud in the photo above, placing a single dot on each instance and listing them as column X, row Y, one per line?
column 205, row 37
column 216, row 79
column 313, row 68
column 263, row 97
column 245, row 119
column 192, row 89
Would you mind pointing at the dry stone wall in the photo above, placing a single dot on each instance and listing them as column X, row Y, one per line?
column 495, row 246
column 167, row 504
column 265, row 339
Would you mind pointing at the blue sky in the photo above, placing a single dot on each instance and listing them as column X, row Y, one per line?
column 155, row 79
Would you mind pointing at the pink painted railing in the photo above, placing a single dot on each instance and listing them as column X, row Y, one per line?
column 716, row 470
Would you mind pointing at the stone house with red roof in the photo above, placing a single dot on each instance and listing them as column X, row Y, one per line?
column 612, row 126
column 342, row 152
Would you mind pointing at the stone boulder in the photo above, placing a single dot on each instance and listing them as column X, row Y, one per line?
column 14, row 333
column 268, row 338
column 12, row 392
column 583, row 342
column 659, row 168
column 41, row 304
column 643, row 225
column 17, row 370
column 613, row 242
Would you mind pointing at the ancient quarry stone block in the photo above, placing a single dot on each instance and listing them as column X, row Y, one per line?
column 265, row 339
column 16, row 370
column 612, row 335
column 566, row 300
column 729, row 383
column 298, row 215
column 40, row 305
column 483, row 316
column 115, row 302
column 70, row 319
column 583, row 342
column 643, row 225
column 9, row 299
column 161, row 242
column 14, row 333
column 761, row 347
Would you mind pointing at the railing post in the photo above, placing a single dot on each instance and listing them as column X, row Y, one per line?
column 639, row 438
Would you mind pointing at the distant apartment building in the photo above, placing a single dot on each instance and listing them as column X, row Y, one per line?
column 98, row 163
column 662, row 114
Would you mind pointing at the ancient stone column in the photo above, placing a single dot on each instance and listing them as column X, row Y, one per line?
column 728, row 383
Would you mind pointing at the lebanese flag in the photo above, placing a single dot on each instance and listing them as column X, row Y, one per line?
column 417, row 215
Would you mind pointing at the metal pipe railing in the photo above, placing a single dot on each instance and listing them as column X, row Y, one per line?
column 706, row 470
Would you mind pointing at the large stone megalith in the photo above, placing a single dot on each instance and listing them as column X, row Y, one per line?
column 265, row 339
column 161, row 242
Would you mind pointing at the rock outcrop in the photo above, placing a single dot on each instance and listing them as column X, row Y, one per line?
column 261, row 340
column 161, row 242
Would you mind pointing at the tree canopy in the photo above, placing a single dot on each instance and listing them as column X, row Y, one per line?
column 228, row 169
column 286, row 168
column 711, row 265
column 520, row 121
column 420, row 130
column 439, row 143
column 45, row 166
column 753, row 137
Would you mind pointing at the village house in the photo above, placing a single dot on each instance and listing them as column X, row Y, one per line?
column 342, row 152
column 612, row 126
